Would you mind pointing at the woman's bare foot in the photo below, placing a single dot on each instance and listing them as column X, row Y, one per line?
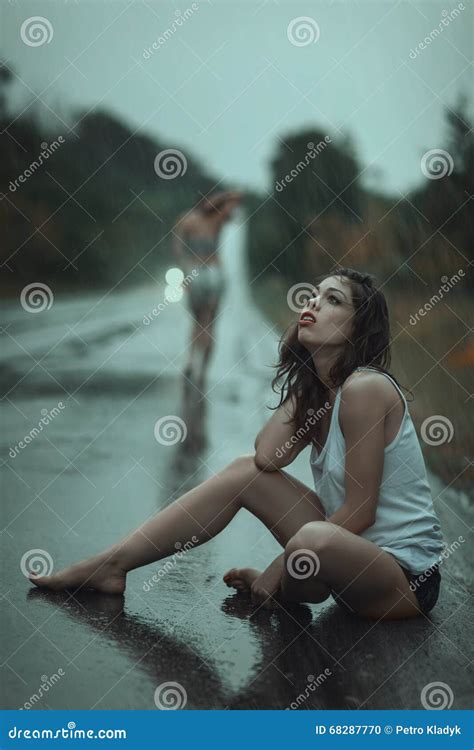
column 264, row 588
column 241, row 578
column 99, row 572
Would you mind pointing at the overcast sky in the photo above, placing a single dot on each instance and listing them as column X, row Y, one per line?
column 235, row 76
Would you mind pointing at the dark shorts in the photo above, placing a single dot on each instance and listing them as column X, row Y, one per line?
column 424, row 585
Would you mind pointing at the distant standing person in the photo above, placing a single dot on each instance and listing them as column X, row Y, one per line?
column 196, row 242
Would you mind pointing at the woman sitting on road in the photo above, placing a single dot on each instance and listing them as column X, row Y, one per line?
column 367, row 534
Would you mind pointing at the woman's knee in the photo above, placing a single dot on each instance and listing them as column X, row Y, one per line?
column 302, row 581
column 243, row 463
column 245, row 477
column 315, row 536
column 242, row 469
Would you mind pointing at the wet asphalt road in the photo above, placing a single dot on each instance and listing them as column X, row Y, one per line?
column 97, row 471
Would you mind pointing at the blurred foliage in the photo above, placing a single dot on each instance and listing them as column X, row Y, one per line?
column 95, row 212
column 324, row 216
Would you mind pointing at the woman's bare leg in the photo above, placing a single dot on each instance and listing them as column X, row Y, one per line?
column 202, row 340
column 195, row 349
column 198, row 338
column 279, row 500
column 368, row 579
column 208, row 325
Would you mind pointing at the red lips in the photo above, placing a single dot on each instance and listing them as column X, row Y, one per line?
column 307, row 319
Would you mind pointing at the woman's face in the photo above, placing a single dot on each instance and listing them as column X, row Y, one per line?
column 327, row 316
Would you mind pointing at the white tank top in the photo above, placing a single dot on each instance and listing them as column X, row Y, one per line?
column 406, row 524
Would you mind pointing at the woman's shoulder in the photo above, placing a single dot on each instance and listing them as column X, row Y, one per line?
column 366, row 397
column 365, row 380
column 368, row 385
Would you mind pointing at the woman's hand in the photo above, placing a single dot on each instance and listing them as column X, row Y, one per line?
column 264, row 589
column 277, row 444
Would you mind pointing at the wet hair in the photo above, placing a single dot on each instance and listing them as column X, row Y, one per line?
column 369, row 344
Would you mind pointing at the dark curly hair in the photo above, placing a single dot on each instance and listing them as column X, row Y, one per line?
column 369, row 345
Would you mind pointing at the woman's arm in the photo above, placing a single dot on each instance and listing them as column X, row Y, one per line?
column 277, row 443
column 362, row 414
